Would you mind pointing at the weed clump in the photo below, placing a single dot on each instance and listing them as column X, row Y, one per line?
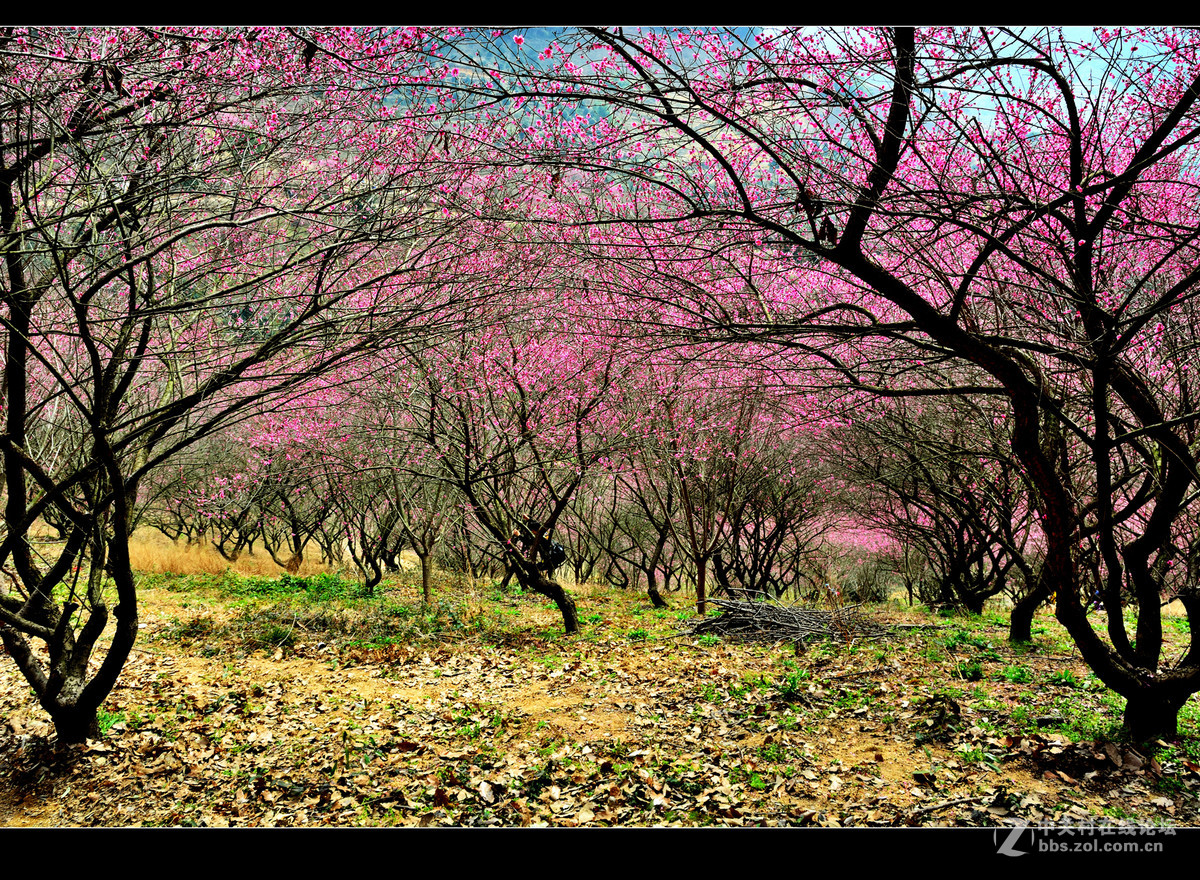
column 943, row 718
column 972, row 671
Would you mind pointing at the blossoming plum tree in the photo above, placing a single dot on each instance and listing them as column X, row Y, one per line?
column 514, row 417
column 192, row 222
column 947, row 211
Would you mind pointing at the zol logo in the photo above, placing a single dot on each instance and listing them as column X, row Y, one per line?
column 1009, row 846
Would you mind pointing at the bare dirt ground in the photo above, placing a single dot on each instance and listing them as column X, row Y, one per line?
column 498, row 719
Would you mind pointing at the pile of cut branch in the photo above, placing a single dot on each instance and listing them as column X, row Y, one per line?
column 771, row 622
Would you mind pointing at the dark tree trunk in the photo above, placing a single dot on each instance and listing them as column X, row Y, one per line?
column 75, row 724
column 652, row 587
column 1020, row 622
column 533, row 579
column 701, row 578
column 1153, row 713
column 372, row 574
column 656, row 598
column 615, row 576
column 228, row 556
column 652, row 584
column 721, row 573
column 566, row 605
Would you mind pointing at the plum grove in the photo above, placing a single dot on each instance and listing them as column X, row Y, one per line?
column 698, row 301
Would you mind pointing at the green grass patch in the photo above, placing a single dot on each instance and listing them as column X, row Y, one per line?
column 1017, row 674
column 1065, row 678
column 971, row 671
column 322, row 587
column 791, row 686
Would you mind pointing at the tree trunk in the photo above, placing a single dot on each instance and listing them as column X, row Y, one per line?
column 656, row 598
column 372, row 574
column 426, row 578
column 566, row 605
column 972, row 602
column 1153, row 713
column 1020, row 622
column 721, row 573
column 75, row 724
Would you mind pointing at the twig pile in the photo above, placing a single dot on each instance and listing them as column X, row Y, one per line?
column 770, row 622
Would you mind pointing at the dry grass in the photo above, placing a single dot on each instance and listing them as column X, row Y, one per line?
column 152, row 551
